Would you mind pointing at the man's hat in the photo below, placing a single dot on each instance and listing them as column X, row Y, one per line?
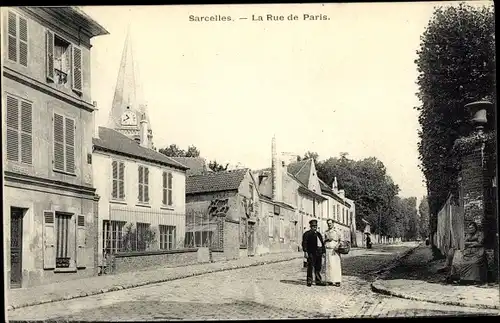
column 313, row 222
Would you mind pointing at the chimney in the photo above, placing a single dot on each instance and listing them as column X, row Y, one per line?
column 144, row 132
column 342, row 193
column 276, row 171
column 95, row 131
column 335, row 185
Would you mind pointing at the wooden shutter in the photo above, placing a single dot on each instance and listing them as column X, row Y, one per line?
column 77, row 68
column 121, row 180
column 26, row 132
column 164, row 186
column 23, row 41
column 12, row 128
column 70, row 145
column 80, row 242
column 141, row 185
column 49, row 57
column 58, row 142
column 170, row 190
column 12, row 35
column 114, row 193
column 146, row 184
column 49, row 240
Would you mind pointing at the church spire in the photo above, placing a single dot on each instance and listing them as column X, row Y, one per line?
column 128, row 107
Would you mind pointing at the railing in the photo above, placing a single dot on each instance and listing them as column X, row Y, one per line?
column 204, row 230
column 450, row 226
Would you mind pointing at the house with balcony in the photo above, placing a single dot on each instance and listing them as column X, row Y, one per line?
column 49, row 197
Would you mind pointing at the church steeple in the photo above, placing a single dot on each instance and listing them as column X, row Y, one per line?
column 129, row 107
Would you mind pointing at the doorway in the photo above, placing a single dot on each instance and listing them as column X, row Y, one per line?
column 16, row 247
column 251, row 238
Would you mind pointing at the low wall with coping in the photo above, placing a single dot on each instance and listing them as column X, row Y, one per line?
column 143, row 260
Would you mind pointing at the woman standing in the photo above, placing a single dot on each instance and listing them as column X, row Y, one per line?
column 333, row 265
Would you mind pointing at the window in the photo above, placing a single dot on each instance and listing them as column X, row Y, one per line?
column 143, row 184
column 19, row 130
column 118, row 180
column 250, row 187
column 338, row 212
column 112, row 235
column 64, row 144
column 243, row 233
column 167, row 189
column 167, row 237
column 143, row 239
column 63, row 62
column 282, row 228
column 271, row 225
column 18, row 39
column 62, row 240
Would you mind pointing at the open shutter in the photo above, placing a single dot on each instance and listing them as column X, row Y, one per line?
column 114, row 166
column 23, row 41
column 12, row 128
column 121, row 180
column 58, row 142
column 80, row 242
column 26, row 133
column 146, row 184
column 49, row 240
column 77, row 68
column 164, row 189
column 70, row 145
column 170, row 190
column 12, row 35
column 49, row 57
column 141, row 185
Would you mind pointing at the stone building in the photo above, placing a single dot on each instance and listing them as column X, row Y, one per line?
column 221, row 213
column 49, row 196
column 142, row 192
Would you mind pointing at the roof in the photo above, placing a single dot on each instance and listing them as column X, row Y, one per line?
column 301, row 170
column 216, row 181
column 112, row 141
column 197, row 165
column 326, row 189
column 78, row 17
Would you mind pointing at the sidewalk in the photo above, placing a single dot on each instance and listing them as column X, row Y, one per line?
column 24, row 297
column 416, row 278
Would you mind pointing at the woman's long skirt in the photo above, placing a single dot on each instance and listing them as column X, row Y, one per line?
column 333, row 267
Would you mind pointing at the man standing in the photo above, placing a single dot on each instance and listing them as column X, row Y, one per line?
column 314, row 248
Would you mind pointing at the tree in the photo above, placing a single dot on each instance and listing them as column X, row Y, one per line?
column 456, row 65
column 216, row 167
column 174, row 151
column 423, row 210
column 311, row 155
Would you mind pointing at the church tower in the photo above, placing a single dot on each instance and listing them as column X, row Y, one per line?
column 129, row 107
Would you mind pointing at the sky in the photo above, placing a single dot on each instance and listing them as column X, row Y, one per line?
column 346, row 84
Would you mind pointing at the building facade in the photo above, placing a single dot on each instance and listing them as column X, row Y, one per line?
column 142, row 196
column 338, row 208
column 49, row 197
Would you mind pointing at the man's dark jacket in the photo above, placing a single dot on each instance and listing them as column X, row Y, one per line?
column 310, row 242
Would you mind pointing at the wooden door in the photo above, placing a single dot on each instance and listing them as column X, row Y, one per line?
column 251, row 239
column 16, row 247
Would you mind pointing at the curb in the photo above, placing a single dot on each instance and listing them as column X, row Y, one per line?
column 377, row 287
column 155, row 281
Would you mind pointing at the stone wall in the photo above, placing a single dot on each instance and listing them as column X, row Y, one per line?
column 143, row 260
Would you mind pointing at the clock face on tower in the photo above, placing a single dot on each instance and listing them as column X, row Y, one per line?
column 129, row 118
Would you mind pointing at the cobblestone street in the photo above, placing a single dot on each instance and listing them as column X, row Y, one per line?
column 270, row 291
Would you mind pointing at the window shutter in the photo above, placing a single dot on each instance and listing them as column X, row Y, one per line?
column 121, row 180
column 26, row 133
column 114, row 193
column 140, row 184
column 164, row 190
column 49, row 46
column 70, row 145
column 49, row 240
column 77, row 68
column 23, row 41
column 12, row 128
column 12, row 32
column 58, row 142
column 170, row 199
column 80, row 242
column 146, row 184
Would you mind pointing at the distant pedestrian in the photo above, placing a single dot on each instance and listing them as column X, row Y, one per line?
column 333, row 275
column 368, row 242
column 314, row 248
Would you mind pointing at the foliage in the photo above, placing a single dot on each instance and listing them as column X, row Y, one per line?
column 423, row 209
column 456, row 65
column 174, row 151
column 132, row 242
column 216, row 167
column 309, row 155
